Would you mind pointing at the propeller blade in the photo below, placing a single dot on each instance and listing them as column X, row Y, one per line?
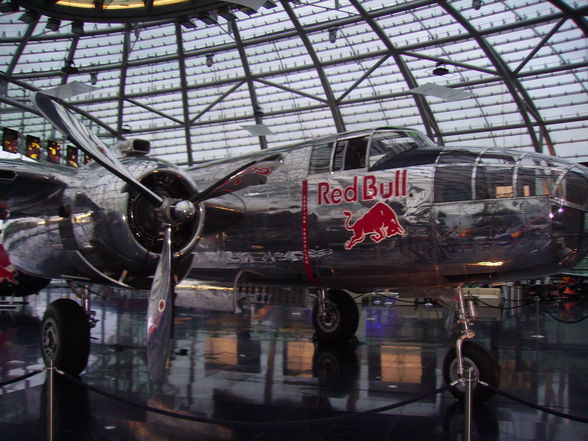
column 64, row 121
column 160, row 312
column 252, row 173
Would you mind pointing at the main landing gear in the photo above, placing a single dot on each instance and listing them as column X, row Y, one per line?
column 466, row 355
column 65, row 333
column 335, row 318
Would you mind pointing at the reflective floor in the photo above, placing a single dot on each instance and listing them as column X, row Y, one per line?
column 261, row 365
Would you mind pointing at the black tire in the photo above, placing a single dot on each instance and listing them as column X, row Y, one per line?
column 340, row 321
column 336, row 367
column 65, row 336
column 485, row 369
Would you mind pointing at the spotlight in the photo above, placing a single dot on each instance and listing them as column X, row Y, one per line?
column 77, row 27
column 440, row 70
column 226, row 13
column 333, row 34
column 209, row 60
column 69, row 68
column 476, row 4
column 53, row 24
column 187, row 23
column 247, row 10
column 93, row 78
column 208, row 17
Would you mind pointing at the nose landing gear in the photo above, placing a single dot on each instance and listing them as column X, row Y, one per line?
column 467, row 355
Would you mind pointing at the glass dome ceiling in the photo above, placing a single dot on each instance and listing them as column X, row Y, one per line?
column 508, row 73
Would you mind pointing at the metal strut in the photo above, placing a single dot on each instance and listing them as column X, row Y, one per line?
column 466, row 314
column 83, row 293
column 322, row 302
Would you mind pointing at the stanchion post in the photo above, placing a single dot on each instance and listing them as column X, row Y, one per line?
column 468, row 404
column 50, row 390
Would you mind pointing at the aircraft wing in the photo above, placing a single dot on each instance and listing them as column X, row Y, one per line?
column 29, row 188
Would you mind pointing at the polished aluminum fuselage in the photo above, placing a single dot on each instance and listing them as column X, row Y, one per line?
column 431, row 216
column 294, row 229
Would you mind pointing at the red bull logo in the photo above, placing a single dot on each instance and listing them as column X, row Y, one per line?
column 379, row 223
column 7, row 270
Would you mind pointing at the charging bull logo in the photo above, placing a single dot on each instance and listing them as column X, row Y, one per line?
column 379, row 223
column 7, row 270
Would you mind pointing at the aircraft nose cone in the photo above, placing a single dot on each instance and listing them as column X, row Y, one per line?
column 573, row 187
column 570, row 217
column 184, row 211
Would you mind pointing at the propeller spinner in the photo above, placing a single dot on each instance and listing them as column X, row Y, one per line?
column 170, row 212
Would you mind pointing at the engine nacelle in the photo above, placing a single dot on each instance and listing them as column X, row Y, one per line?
column 104, row 231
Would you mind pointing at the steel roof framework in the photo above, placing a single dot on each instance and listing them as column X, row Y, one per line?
column 525, row 65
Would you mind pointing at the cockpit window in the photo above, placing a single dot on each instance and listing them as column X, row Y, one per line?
column 457, row 157
column 401, row 149
column 350, row 154
column 320, row 158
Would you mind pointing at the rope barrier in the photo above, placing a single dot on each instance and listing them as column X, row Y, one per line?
column 251, row 423
column 567, row 322
column 505, row 307
column 21, row 378
column 535, row 406
column 293, row 422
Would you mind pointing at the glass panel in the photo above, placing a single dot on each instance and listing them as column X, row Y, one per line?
column 320, row 159
column 453, row 183
column 355, row 153
column 339, row 154
column 534, row 182
column 494, row 182
column 574, row 188
column 457, row 157
column 394, row 149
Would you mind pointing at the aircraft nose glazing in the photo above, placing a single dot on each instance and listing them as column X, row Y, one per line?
column 569, row 216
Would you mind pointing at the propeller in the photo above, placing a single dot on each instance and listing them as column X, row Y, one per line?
column 170, row 213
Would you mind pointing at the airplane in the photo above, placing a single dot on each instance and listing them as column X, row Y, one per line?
column 349, row 213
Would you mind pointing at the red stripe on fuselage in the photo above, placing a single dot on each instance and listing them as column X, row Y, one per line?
column 305, row 232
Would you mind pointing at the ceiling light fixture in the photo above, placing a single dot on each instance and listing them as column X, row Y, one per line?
column 440, row 70
column 77, row 28
column 333, row 34
column 226, row 13
column 208, row 17
column 53, row 24
column 187, row 23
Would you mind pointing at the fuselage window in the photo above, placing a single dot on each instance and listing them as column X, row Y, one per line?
column 320, row 158
column 453, row 183
column 494, row 177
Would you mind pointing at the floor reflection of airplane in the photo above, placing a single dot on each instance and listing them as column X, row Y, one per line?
column 360, row 211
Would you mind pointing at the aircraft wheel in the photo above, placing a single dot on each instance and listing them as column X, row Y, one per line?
column 65, row 336
column 484, row 366
column 339, row 321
